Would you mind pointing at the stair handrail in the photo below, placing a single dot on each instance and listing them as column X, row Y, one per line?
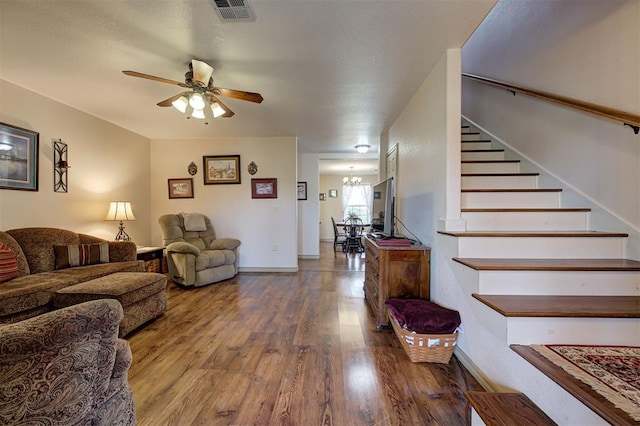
column 626, row 118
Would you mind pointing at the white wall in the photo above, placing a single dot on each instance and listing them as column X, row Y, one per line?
column 588, row 53
column 108, row 163
column 266, row 227
column 309, row 209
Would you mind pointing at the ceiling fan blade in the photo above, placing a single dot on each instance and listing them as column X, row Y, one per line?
column 238, row 94
column 168, row 102
column 227, row 112
column 154, row 78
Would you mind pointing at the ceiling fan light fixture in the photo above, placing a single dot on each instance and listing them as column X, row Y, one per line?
column 181, row 104
column 363, row 148
column 201, row 72
column 217, row 110
column 197, row 101
column 198, row 113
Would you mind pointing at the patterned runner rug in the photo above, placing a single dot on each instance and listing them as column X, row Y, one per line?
column 611, row 371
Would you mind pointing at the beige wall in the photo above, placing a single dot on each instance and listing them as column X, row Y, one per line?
column 107, row 163
column 266, row 227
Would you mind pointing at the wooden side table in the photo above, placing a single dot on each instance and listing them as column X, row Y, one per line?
column 152, row 257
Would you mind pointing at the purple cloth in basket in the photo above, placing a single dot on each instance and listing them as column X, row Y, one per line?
column 422, row 316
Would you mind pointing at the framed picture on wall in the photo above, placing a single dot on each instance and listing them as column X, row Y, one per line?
column 264, row 188
column 333, row 193
column 221, row 169
column 323, row 196
column 180, row 188
column 19, row 157
column 302, row 190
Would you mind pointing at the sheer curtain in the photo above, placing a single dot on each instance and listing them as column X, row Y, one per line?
column 357, row 200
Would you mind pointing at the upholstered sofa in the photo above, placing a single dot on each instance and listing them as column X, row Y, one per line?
column 42, row 269
column 66, row 367
column 195, row 256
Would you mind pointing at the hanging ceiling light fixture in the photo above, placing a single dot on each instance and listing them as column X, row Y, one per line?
column 363, row 148
column 351, row 180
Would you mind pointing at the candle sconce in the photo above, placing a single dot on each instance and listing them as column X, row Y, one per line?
column 60, row 166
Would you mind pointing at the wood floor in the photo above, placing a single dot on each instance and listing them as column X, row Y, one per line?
column 287, row 349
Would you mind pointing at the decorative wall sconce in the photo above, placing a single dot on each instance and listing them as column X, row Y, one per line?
column 60, row 166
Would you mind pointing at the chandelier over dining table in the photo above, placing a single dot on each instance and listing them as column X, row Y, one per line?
column 351, row 180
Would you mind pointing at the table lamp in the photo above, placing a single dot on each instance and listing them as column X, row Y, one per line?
column 121, row 210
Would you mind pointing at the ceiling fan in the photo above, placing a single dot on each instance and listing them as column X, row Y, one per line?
column 201, row 100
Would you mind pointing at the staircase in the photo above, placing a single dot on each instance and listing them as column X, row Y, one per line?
column 537, row 269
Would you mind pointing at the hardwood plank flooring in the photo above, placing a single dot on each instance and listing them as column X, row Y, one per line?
column 288, row 349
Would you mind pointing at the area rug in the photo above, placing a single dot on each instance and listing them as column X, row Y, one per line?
column 611, row 371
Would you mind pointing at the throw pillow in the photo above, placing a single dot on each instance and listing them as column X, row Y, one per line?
column 194, row 222
column 8, row 264
column 81, row 254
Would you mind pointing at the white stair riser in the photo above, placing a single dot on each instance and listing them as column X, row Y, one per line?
column 526, row 221
column 464, row 137
column 482, row 155
column 476, row 200
column 541, row 247
column 560, row 283
column 476, row 145
column 490, row 167
column 573, row 331
column 499, row 182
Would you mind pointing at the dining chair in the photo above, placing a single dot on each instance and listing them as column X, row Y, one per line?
column 339, row 238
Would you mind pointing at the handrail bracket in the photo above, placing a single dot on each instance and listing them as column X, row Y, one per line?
column 636, row 129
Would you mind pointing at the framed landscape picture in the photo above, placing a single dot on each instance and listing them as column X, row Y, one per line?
column 18, row 158
column 221, row 169
column 264, row 188
column 181, row 188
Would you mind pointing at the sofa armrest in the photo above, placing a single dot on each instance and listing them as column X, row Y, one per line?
column 184, row 248
column 224, row 243
column 64, row 358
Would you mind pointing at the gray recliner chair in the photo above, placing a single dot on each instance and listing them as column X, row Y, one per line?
column 195, row 257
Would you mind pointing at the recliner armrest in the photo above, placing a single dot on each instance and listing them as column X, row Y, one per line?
column 183, row 247
column 224, row 243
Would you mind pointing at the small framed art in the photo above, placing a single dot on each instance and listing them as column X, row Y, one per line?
column 323, row 196
column 333, row 193
column 264, row 188
column 19, row 156
column 221, row 169
column 302, row 190
column 180, row 188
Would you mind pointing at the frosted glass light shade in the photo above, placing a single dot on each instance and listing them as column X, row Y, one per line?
column 181, row 104
column 217, row 110
column 197, row 102
column 120, row 210
column 363, row 148
column 198, row 113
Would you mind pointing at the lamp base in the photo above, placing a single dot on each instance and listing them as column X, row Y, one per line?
column 121, row 235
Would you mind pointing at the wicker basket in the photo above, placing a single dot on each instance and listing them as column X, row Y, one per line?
column 425, row 347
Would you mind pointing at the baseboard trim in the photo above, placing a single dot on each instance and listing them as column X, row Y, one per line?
column 475, row 371
column 268, row 270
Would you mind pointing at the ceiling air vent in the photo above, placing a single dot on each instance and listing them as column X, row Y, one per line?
column 234, row 10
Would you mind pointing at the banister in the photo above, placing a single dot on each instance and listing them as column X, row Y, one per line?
column 626, row 118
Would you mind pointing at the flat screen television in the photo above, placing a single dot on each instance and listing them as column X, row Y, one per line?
column 383, row 210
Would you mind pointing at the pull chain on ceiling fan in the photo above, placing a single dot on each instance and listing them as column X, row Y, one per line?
column 201, row 100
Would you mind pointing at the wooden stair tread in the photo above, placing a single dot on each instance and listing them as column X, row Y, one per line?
column 489, row 161
column 474, row 140
column 580, row 234
column 470, row 133
column 482, row 150
column 521, row 210
column 504, row 264
column 507, row 409
column 500, row 174
column 513, row 190
column 581, row 391
column 562, row 306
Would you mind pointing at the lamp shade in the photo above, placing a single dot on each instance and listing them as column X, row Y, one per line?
column 120, row 210
column 363, row 148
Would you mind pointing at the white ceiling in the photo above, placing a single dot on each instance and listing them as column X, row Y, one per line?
column 332, row 73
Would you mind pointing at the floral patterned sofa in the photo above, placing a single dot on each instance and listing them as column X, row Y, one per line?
column 43, row 265
column 66, row 367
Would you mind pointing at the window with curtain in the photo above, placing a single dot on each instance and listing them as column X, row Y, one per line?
column 356, row 200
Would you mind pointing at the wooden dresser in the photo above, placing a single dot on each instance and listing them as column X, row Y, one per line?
column 394, row 272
